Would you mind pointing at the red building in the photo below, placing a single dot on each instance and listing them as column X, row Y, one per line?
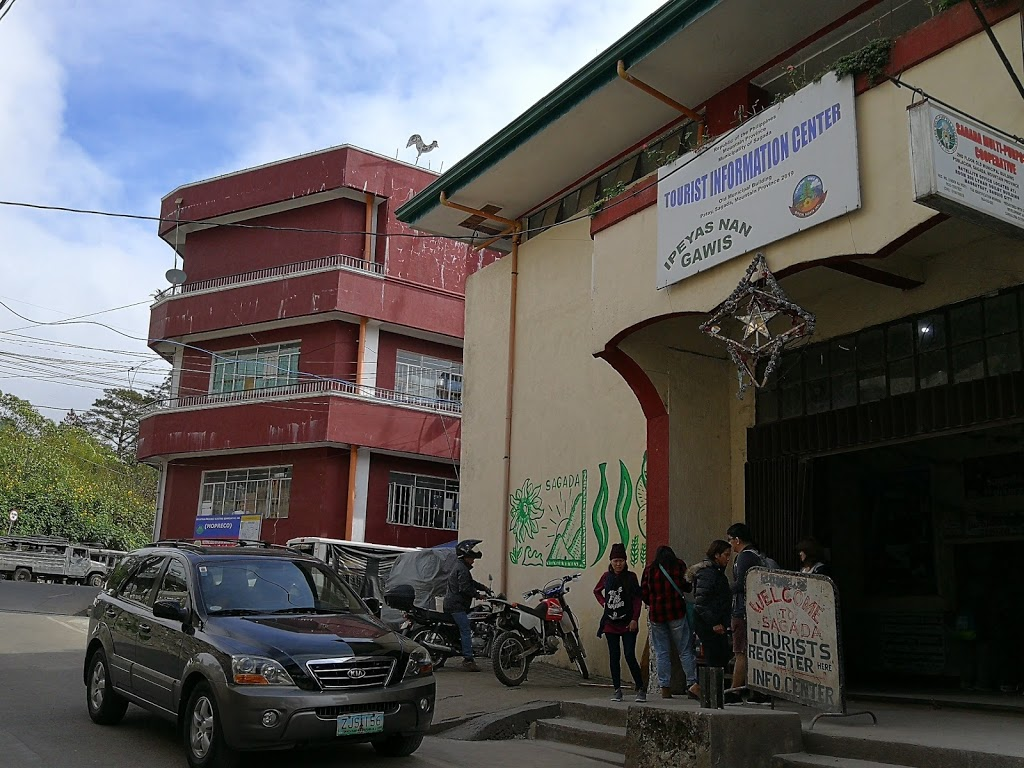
column 316, row 345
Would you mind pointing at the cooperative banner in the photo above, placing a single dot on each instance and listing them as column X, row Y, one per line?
column 228, row 527
column 791, row 167
column 793, row 649
column 962, row 168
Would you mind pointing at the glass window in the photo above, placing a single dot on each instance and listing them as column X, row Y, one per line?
column 175, row 584
column 968, row 361
column 1001, row 314
column 871, row 385
column 423, row 501
column 901, row 377
column 931, row 333
column 259, row 490
column 932, row 369
column 843, row 355
column 900, row 341
column 1003, row 354
column 139, row 586
column 965, row 321
column 272, row 365
column 273, row 585
column 818, row 399
column 427, row 380
column 844, row 389
column 870, row 349
column 121, row 572
column 792, row 401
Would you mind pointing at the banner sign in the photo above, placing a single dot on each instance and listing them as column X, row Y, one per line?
column 964, row 169
column 789, row 168
column 228, row 527
column 793, row 643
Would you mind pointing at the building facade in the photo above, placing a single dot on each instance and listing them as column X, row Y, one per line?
column 316, row 346
column 893, row 433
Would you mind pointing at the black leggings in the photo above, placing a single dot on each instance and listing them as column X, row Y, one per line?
column 716, row 646
column 629, row 648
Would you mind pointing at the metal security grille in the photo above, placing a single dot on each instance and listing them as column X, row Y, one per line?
column 422, row 501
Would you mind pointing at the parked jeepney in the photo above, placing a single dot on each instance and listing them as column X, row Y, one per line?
column 49, row 558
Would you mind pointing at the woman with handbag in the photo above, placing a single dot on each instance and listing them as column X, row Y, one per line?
column 662, row 586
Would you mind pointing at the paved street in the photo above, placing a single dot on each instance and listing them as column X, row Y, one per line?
column 44, row 723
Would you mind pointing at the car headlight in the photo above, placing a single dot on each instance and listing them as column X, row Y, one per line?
column 419, row 664
column 257, row 670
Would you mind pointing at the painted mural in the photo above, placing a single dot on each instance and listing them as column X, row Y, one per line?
column 548, row 520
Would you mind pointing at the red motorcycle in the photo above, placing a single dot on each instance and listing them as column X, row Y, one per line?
column 525, row 632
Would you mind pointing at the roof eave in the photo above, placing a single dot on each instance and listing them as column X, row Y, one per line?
column 631, row 48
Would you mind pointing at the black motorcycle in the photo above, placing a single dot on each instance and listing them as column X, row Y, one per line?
column 437, row 631
column 525, row 632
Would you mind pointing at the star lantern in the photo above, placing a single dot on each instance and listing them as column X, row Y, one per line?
column 756, row 301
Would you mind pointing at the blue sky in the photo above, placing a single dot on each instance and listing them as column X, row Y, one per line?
column 110, row 105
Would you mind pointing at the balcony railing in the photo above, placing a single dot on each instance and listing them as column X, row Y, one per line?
column 335, row 261
column 330, row 386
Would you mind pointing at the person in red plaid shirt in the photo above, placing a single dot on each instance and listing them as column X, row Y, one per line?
column 662, row 586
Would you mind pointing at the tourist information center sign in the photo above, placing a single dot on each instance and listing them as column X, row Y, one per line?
column 789, row 168
column 228, row 527
column 793, row 649
column 962, row 168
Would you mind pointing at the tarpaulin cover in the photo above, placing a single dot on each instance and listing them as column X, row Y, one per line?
column 426, row 571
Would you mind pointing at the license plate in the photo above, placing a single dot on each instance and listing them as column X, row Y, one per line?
column 362, row 722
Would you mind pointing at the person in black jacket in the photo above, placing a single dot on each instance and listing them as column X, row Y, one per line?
column 712, row 602
column 462, row 588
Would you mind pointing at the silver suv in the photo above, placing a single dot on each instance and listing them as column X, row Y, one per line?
column 252, row 647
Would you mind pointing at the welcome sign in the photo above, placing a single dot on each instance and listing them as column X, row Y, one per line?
column 791, row 167
column 793, row 649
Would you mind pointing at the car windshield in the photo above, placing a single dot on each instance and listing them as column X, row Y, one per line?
column 272, row 585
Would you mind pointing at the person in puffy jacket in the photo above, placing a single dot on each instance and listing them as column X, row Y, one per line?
column 462, row 588
column 712, row 602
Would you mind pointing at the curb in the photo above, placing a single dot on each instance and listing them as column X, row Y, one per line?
column 506, row 724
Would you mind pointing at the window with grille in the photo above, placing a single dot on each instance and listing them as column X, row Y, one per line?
column 966, row 341
column 263, row 491
column 423, row 501
column 271, row 365
column 422, row 378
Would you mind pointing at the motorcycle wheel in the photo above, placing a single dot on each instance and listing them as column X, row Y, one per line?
column 430, row 636
column 572, row 647
column 508, row 657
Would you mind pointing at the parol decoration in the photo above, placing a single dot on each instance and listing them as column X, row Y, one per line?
column 754, row 303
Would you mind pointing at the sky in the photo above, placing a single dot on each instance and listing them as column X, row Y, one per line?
column 109, row 105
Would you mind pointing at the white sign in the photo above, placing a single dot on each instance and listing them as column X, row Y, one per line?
column 793, row 647
column 964, row 169
column 790, row 168
column 13, row 515
column 250, row 526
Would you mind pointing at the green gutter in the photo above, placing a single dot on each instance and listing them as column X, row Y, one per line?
column 632, row 48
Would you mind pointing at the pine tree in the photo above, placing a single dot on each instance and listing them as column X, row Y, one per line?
column 114, row 419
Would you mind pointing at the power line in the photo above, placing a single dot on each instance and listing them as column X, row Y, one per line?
column 5, row 7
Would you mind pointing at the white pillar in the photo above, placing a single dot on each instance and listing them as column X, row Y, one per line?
column 362, row 482
column 372, row 342
column 176, row 365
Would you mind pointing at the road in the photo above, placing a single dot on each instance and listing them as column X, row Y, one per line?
column 44, row 723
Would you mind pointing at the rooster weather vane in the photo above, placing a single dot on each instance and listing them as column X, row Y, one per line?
column 421, row 148
column 756, row 301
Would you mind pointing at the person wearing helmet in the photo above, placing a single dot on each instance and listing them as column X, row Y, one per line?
column 462, row 588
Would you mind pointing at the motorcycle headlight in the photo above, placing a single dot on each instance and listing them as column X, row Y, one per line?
column 257, row 670
column 419, row 664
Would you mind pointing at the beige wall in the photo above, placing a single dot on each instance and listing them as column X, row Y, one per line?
column 572, row 414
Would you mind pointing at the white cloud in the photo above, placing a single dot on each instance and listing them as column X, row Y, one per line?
column 111, row 105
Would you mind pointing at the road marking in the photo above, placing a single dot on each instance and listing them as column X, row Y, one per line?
column 74, row 627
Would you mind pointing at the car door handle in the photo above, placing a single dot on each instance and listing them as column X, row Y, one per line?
column 145, row 628
column 110, row 613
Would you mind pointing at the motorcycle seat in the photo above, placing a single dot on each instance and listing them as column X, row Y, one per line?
column 436, row 617
column 540, row 611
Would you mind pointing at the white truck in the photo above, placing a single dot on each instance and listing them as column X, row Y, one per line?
column 49, row 558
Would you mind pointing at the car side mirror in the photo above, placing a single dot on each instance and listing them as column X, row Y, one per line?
column 170, row 609
column 373, row 604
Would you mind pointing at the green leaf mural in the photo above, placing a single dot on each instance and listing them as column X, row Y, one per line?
column 641, row 499
column 623, row 502
column 569, row 549
column 600, row 515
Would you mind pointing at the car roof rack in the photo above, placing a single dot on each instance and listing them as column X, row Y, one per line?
column 208, row 543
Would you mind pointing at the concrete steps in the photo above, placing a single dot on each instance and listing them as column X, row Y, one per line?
column 908, row 755
column 805, row 760
column 581, row 733
column 600, row 755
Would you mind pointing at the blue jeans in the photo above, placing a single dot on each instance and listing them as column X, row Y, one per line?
column 461, row 619
column 663, row 635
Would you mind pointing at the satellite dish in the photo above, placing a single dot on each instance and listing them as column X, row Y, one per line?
column 175, row 276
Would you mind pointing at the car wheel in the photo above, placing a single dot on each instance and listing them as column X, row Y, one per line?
column 106, row 706
column 204, row 737
column 22, row 574
column 96, row 580
column 398, row 745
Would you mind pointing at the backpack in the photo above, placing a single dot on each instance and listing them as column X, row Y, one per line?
column 768, row 562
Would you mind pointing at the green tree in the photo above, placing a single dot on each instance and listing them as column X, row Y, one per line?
column 114, row 418
column 64, row 481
